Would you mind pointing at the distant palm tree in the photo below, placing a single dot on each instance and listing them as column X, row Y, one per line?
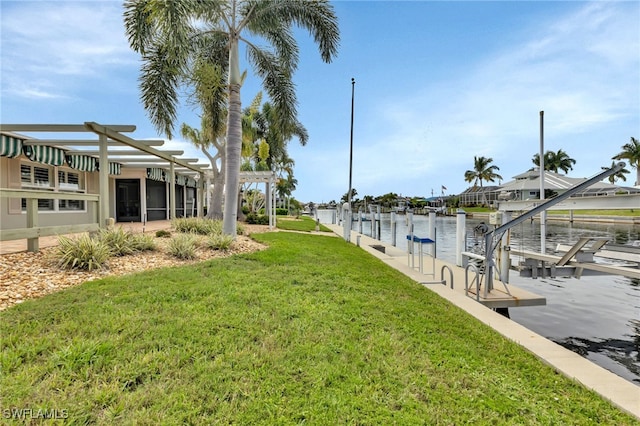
column 620, row 174
column 554, row 161
column 483, row 170
column 631, row 152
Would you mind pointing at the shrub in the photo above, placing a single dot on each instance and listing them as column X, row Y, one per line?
column 163, row 233
column 195, row 225
column 119, row 240
column 239, row 229
column 255, row 219
column 83, row 252
column 220, row 242
column 183, row 246
column 143, row 242
column 282, row 212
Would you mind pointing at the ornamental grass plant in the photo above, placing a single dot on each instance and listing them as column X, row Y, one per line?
column 82, row 252
column 184, row 246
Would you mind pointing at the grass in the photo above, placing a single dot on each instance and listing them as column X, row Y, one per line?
column 302, row 223
column 312, row 330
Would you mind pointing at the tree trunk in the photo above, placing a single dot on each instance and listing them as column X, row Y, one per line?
column 233, row 147
column 215, row 204
column 232, row 169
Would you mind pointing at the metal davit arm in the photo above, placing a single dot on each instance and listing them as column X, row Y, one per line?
column 490, row 247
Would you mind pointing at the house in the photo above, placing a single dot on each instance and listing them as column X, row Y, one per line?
column 526, row 186
column 65, row 183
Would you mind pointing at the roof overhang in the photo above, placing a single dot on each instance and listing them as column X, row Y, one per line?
column 130, row 152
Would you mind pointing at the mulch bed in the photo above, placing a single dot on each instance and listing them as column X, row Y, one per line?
column 25, row 275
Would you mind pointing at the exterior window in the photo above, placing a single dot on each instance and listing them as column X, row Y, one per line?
column 41, row 177
column 70, row 181
column 35, row 176
column 43, row 205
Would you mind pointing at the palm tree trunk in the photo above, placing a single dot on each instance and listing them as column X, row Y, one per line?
column 215, row 205
column 233, row 158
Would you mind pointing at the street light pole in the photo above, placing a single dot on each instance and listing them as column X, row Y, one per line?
column 353, row 84
column 346, row 207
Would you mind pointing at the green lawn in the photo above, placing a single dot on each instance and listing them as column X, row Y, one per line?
column 302, row 223
column 312, row 330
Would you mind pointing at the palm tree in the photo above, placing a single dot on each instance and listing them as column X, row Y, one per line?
column 210, row 94
column 483, row 170
column 554, row 161
column 620, row 174
column 170, row 35
column 199, row 139
column 276, row 132
column 631, row 152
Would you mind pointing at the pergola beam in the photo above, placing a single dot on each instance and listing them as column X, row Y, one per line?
column 87, row 142
column 62, row 127
column 106, row 131
column 120, row 152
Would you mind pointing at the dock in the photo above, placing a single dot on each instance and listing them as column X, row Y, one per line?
column 579, row 259
column 439, row 273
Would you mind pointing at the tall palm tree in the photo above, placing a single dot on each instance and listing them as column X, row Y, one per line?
column 555, row 161
column 170, row 34
column 631, row 152
column 483, row 170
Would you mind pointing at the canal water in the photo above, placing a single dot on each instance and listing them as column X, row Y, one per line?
column 595, row 316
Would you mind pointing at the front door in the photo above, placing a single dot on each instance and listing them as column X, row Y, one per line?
column 128, row 200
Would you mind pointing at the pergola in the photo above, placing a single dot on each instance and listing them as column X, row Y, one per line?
column 109, row 147
column 269, row 179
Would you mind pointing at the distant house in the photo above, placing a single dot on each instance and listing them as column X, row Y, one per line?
column 526, row 186
column 477, row 195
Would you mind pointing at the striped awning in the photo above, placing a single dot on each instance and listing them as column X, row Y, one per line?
column 115, row 168
column 45, row 154
column 181, row 180
column 83, row 163
column 10, row 147
column 155, row 174
column 191, row 183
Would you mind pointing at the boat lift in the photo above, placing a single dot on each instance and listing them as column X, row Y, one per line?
column 490, row 245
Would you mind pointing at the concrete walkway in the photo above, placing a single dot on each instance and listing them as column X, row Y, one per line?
column 610, row 386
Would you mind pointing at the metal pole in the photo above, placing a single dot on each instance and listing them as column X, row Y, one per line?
column 353, row 84
column 543, row 214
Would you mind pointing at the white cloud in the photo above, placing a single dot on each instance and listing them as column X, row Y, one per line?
column 49, row 47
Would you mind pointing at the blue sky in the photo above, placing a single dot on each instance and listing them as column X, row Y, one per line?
column 436, row 84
